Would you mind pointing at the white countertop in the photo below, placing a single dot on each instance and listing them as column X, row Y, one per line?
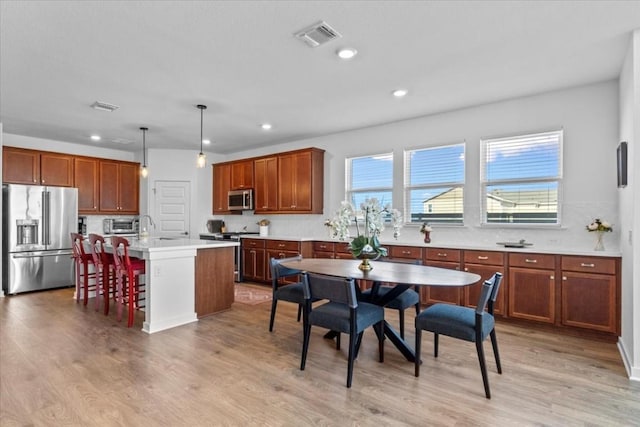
column 160, row 244
column 477, row 247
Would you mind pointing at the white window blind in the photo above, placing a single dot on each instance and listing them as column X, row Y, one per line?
column 434, row 184
column 368, row 177
column 520, row 179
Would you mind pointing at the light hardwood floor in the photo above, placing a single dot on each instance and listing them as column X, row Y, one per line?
column 63, row 364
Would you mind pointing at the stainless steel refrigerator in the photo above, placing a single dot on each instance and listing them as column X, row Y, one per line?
column 37, row 223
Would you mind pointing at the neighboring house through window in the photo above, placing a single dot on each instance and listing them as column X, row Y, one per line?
column 434, row 184
column 520, row 179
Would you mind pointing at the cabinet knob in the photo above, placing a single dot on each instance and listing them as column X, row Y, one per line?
column 483, row 257
column 466, row 269
column 406, row 252
column 532, row 261
column 552, row 278
column 584, row 264
column 564, row 277
column 441, row 254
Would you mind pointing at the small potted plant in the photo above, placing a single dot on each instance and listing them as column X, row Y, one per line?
column 426, row 230
column 600, row 227
column 264, row 227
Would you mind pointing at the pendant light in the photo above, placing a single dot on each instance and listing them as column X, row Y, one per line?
column 202, row 159
column 144, row 172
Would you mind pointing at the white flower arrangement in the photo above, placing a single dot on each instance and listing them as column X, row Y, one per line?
column 599, row 225
column 371, row 215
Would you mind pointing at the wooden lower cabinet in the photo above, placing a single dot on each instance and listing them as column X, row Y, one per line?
column 441, row 258
column 253, row 260
column 486, row 264
column 214, row 289
column 324, row 250
column 590, row 293
column 532, row 287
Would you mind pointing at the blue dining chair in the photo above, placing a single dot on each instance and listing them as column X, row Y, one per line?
column 464, row 323
column 342, row 313
column 291, row 292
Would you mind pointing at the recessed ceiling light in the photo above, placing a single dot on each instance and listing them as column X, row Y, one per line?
column 95, row 137
column 399, row 93
column 266, row 126
column 104, row 106
column 347, row 53
column 206, row 141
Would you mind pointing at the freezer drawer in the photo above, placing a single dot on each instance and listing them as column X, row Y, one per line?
column 34, row 271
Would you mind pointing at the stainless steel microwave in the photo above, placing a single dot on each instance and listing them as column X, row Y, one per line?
column 240, row 200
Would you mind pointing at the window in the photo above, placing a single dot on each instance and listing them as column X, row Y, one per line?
column 520, row 179
column 368, row 177
column 434, row 184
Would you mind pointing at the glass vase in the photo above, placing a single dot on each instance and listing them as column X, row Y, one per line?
column 427, row 237
column 599, row 241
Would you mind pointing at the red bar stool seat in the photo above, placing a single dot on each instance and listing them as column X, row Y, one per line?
column 82, row 261
column 127, row 272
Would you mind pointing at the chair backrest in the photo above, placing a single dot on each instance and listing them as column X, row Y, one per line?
column 497, row 280
column 487, row 287
column 278, row 270
column 332, row 288
column 77, row 245
column 97, row 249
column 121, row 254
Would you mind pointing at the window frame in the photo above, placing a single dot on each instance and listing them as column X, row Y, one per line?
column 484, row 182
column 408, row 187
column 349, row 191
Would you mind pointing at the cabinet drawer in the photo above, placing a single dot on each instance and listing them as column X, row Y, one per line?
column 323, row 246
column 252, row 243
column 410, row 252
column 589, row 264
column 448, row 255
column 484, row 257
column 342, row 247
column 283, row 245
column 545, row 262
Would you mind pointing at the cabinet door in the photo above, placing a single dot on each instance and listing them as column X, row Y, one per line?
column 56, row 169
column 242, row 175
column 221, row 187
column 471, row 293
column 109, row 187
column 20, row 166
column 294, row 182
column 441, row 294
column 589, row 301
column 279, row 254
column 128, row 188
column 266, row 184
column 532, row 294
column 85, row 172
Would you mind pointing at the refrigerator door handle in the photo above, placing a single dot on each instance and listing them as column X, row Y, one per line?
column 41, row 254
column 46, row 226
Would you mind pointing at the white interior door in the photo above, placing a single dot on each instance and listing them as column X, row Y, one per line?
column 171, row 208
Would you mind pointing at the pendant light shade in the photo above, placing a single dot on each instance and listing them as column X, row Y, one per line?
column 202, row 159
column 144, row 172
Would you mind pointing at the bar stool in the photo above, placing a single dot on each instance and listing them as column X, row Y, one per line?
column 127, row 274
column 105, row 270
column 82, row 261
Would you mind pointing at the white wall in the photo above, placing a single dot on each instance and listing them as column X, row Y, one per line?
column 629, row 342
column 588, row 115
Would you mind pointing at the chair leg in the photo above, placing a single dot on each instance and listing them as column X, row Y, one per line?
column 85, row 266
column 380, row 334
column 305, row 343
column 496, row 353
column 353, row 338
column 133, row 285
column 358, row 344
column 299, row 311
column 338, row 340
column 77, row 280
column 418, row 347
column 401, row 314
column 435, row 345
column 483, row 368
column 274, row 303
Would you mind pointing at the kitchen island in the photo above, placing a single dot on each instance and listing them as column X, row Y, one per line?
column 185, row 279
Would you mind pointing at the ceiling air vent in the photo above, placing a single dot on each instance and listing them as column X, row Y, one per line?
column 317, row 34
column 122, row 141
column 104, row 106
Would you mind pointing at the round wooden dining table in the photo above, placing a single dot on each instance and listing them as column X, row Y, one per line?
column 399, row 274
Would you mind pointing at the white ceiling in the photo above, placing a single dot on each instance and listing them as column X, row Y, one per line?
column 157, row 60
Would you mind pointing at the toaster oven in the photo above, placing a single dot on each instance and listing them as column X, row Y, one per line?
column 120, row 225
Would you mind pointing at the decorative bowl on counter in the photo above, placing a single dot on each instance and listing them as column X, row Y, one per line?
column 519, row 244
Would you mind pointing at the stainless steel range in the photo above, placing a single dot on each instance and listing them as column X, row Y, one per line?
column 237, row 255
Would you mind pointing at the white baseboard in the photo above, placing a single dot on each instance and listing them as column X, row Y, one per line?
column 632, row 371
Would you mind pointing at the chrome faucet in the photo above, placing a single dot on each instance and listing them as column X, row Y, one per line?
column 151, row 223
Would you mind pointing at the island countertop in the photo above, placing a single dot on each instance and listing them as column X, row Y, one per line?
column 167, row 244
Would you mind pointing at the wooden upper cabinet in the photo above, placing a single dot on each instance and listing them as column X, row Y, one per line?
column 266, row 184
column 119, row 187
column 221, row 187
column 21, row 166
column 242, row 174
column 300, row 181
column 85, row 171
